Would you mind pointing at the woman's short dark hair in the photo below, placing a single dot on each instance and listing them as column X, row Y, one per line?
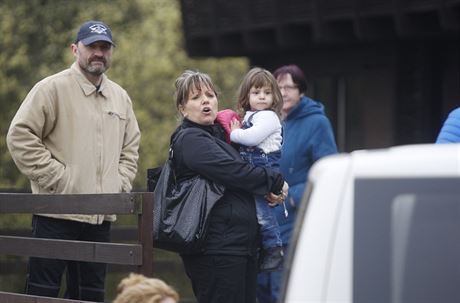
column 296, row 73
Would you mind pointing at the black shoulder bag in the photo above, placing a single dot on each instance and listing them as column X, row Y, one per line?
column 181, row 209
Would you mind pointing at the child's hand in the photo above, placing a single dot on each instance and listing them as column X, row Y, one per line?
column 235, row 124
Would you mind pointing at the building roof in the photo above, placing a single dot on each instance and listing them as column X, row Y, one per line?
column 244, row 27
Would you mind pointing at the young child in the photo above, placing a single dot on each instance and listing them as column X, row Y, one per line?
column 137, row 288
column 260, row 138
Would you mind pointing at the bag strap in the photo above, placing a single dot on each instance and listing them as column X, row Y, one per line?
column 179, row 134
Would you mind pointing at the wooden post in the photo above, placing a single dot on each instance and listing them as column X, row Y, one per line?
column 145, row 234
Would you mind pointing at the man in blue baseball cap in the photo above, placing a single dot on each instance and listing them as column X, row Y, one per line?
column 76, row 133
column 93, row 49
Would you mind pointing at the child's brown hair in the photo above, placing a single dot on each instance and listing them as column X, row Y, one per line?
column 258, row 77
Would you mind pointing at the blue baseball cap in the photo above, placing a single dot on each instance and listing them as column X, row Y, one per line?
column 93, row 31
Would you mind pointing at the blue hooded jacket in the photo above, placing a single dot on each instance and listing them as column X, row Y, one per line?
column 307, row 137
column 450, row 131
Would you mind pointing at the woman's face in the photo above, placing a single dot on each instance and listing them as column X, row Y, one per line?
column 201, row 106
column 289, row 91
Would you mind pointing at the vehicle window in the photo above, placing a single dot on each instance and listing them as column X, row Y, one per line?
column 406, row 240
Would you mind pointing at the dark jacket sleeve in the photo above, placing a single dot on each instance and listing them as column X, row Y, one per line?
column 218, row 161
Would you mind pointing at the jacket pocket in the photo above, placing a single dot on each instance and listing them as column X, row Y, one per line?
column 116, row 114
column 61, row 186
column 116, row 121
column 120, row 184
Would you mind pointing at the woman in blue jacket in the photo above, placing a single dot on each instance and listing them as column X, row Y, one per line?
column 450, row 131
column 307, row 137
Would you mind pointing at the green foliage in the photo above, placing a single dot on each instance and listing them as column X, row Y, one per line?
column 34, row 40
column 11, row 222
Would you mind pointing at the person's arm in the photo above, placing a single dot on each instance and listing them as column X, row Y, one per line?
column 295, row 196
column 264, row 123
column 323, row 144
column 219, row 163
column 323, row 138
column 130, row 151
column 32, row 123
column 450, row 131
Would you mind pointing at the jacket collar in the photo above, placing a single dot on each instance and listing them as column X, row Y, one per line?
column 215, row 129
column 305, row 107
column 86, row 86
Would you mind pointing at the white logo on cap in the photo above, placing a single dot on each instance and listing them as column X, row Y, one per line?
column 98, row 28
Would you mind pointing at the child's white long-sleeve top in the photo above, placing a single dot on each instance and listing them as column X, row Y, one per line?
column 265, row 132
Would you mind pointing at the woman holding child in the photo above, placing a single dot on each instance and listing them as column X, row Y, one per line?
column 226, row 269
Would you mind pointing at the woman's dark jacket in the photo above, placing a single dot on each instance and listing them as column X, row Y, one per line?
column 233, row 228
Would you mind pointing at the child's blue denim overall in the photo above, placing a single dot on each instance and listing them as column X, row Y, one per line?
column 255, row 156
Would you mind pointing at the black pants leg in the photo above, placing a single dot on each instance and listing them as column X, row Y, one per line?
column 92, row 275
column 72, row 280
column 222, row 278
column 44, row 275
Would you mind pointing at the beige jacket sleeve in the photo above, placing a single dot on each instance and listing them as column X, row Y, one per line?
column 33, row 121
column 129, row 154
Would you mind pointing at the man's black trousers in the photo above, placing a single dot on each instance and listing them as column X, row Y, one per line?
column 44, row 275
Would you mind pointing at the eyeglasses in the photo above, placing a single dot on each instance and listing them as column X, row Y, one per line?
column 288, row 87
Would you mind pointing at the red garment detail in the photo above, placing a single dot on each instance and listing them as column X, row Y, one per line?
column 224, row 117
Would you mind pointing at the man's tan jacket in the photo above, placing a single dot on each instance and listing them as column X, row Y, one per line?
column 69, row 137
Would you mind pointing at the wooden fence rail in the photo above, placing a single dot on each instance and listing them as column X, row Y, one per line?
column 139, row 254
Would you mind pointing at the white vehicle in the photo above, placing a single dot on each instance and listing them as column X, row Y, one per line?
column 379, row 226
